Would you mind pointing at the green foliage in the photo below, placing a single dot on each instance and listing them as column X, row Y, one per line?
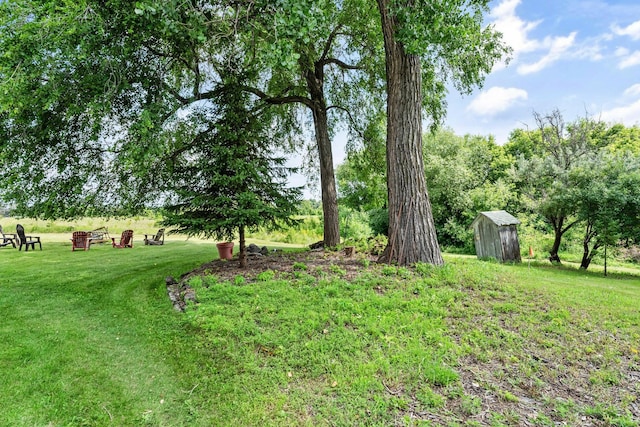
column 265, row 276
column 604, row 191
column 567, row 180
column 87, row 104
column 361, row 179
column 300, row 266
column 307, row 230
column 453, row 42
column 99, row 98
column 465, row 176
column 379, row 221
column 354, row 225
column 310, row 208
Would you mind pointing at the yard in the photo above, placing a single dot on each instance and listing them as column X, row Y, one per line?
column 311, row 338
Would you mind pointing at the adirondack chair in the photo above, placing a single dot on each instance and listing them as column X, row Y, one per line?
column 158, row 239
column 126, row 240
column 7, row 239
column 27, row 241
column 80, row 240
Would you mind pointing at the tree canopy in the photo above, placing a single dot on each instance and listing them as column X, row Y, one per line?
column 97, row 95
column 98, row 98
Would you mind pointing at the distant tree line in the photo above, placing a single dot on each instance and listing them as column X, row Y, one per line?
column 581, row 176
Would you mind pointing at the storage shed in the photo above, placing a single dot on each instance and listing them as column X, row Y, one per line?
column 496, row 236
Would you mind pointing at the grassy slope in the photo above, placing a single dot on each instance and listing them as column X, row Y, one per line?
column 89, row 338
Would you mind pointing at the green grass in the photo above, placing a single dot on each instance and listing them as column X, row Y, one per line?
column 90, row 339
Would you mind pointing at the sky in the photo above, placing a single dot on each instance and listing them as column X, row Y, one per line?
column 581, row 57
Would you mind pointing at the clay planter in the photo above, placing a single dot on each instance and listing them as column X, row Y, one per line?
column 225, row 250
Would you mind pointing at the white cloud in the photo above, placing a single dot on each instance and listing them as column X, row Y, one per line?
column 633, row 90
column 632, row 30
column 496, row 100
column 628, row 114
column 630, row 61
column 516, row 31
column 621, row 51
column 558, row 47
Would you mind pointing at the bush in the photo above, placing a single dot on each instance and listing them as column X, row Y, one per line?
column 354, row 225
column 379, row 221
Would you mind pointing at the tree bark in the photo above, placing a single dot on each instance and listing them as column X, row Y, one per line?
column 412, row 235
column 557, row 222
column 553, row 253
column 315, row 85
column 588, row 254
column 242, row 255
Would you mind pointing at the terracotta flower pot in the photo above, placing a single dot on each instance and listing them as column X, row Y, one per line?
column 225, row 250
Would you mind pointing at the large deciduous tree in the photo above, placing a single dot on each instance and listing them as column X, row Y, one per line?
column 314, row 54
column 427, row 44
column 544, row 177
column 97, row 98
column 605, row 191
column 137, row 67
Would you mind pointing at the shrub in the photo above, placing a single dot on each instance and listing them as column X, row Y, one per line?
column 379, row 221
column 354, row 224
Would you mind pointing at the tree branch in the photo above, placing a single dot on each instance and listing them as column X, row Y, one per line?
column 351, row 119
column 278, row 100
column 341, row 64
column 327, row 45
column 571, row 224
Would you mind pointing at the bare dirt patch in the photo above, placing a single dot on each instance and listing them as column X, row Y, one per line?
column 315, row 262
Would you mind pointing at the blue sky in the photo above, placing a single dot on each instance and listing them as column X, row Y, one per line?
column 581, row 57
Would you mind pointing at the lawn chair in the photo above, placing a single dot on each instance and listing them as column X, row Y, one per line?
column 80, row 240
column 27, row 241
column 126, row 240
column 158, row 239
column 7, row 239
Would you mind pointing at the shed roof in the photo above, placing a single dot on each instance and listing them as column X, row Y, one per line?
column 499, row 218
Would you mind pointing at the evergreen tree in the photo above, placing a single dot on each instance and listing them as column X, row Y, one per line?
column 226, row 179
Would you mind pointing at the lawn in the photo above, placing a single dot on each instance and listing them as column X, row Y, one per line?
column 90, row 338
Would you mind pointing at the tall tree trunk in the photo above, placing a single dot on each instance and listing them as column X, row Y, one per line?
column 315, row 84
column 242, row 255
column 588, row 254
column 559, row 228
column 553, row 253
column 412, row 235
